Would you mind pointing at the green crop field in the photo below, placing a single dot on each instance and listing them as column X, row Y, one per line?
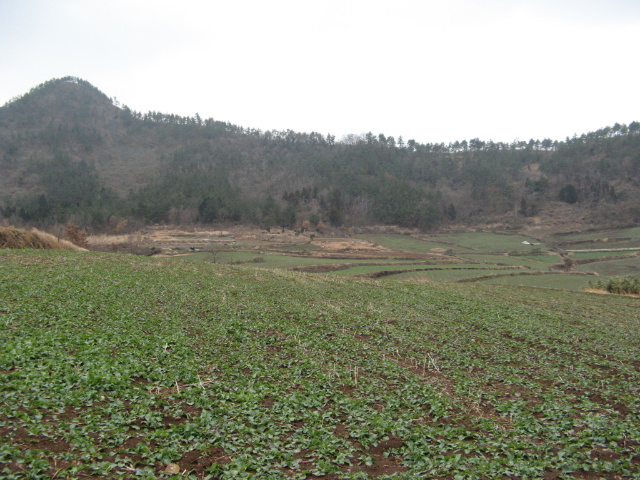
column 262, row 260
column 491, row 242
column 455, row 274
column 398, row 268
column 563, row 281
column 459, row 242
column 478, row 257
column 627, row 266
column 588, row 255
column 612, row 239
column 404, row 242
column 114, row 366
column 608, row 234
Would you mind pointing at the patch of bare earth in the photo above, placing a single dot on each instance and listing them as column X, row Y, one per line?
column 380, row 461
column 196, row 461
column 169, row 241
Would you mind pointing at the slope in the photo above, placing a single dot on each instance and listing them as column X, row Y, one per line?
column 122, row 367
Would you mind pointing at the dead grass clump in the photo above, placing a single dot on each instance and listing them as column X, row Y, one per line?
column 75, row 235
column 11, row 237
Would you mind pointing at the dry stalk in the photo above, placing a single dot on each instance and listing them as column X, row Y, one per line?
column 433, row 362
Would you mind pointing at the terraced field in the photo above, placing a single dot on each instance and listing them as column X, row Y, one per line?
column 115, row 366
column 560, row 261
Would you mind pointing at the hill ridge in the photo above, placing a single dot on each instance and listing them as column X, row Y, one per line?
column 164, row 168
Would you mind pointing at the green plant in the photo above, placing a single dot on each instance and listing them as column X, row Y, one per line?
column 116, row 366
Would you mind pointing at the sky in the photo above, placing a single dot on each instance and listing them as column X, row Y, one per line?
column 431, row 70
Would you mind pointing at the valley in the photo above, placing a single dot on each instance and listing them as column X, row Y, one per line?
column 276, row 304
column 566, row 261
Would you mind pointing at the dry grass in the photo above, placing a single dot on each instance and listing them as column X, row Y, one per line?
column 11, row 237
column 603, row 291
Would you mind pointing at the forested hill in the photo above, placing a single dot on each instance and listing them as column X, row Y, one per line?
column 69, row 152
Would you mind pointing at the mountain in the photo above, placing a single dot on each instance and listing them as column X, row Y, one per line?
column 70, row 153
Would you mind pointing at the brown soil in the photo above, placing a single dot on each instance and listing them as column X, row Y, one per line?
column 197, row 461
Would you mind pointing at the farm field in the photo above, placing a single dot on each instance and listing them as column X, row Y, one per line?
column 117, row 366
column 607, row 236
column 461, row 242
column 558, row 281
column 627, row 266
column 607, row 240
column 455, row 257
column 480, row 257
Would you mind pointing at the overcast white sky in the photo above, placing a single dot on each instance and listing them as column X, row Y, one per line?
column 434, row 71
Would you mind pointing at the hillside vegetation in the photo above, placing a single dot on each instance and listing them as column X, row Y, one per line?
column 68, row 152
column 127, row 367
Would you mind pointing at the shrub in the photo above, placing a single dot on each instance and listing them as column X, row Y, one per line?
column 621, row 286
column 568, row 194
